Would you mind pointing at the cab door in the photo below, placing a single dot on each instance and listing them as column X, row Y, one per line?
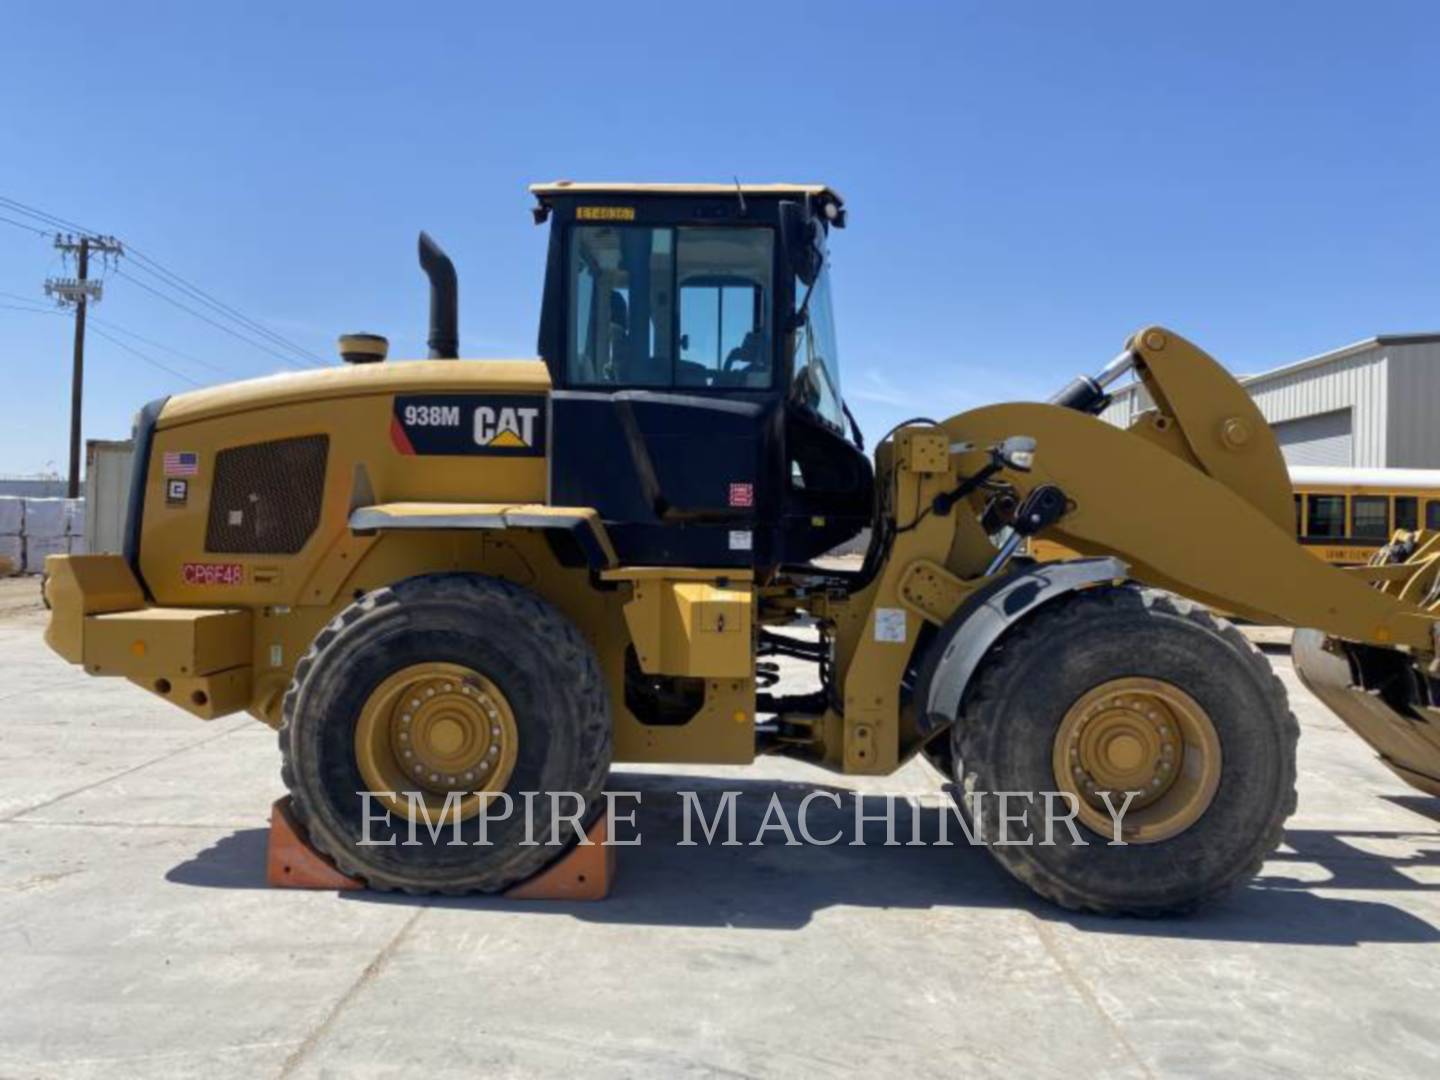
column 666, row 420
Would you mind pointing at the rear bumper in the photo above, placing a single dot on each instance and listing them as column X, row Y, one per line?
column 196, row 658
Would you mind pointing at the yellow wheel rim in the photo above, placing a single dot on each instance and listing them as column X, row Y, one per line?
column 436, row 730
column 1145, row 736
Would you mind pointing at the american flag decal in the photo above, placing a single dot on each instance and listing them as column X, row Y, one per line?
column 181, row 462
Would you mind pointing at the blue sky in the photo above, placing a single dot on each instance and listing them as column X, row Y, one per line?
column 1027, row 182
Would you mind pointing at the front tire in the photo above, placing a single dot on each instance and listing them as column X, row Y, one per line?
column 1125, row 688
column 438, row 685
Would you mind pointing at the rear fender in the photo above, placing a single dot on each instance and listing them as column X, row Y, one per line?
column 586, row 540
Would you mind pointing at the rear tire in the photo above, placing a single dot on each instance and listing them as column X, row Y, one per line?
column 1025, row 695
column 522, row 651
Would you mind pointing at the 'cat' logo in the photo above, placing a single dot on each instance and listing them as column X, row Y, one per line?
column 478, row 425
column 508, row 427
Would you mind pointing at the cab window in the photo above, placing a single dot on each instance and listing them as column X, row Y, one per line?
column 1370, row 517
column 1326, row 516
column 724, row 283
column 666, row 307
column 1432, row 514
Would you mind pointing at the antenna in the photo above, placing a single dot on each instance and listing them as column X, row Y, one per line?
column 740, row 193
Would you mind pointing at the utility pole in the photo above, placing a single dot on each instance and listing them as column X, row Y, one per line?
column 79, row 291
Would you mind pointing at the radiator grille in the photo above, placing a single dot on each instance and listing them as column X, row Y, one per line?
column 266, row 498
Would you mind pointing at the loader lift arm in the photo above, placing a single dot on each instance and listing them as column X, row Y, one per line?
column 1193, row 498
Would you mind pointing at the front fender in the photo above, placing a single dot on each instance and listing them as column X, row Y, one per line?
column 980, row 622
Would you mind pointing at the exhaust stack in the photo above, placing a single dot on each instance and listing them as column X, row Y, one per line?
column 444, row 338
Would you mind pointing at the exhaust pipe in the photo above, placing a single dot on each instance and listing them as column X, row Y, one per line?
column 444, row 338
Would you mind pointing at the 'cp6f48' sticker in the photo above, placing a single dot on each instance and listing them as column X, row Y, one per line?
column 506, row 425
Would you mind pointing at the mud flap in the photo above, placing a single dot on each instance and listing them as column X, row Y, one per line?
column 1407, row 742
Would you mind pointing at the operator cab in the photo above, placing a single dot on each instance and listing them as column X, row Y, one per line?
column 690, row 339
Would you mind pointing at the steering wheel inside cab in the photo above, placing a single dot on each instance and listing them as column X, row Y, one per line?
column 750, row 357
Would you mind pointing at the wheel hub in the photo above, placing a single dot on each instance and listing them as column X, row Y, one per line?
column 436, row 729
column 1143, row 736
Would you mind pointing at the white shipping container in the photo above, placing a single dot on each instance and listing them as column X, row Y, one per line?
column 107, row 490
column 12, row 549
column 36, row 548
column 75, row 517
column 44, row 518
column 12, row 515
column 76, row 545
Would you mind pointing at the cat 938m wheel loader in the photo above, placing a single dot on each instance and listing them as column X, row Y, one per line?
column 444, row 579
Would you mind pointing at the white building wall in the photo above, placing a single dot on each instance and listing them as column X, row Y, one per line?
column 1356, row 382
column 1413, row 431
column 1127, row 403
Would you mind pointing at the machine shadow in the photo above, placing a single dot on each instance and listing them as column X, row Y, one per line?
column 1424, row 805
column 236, row 861
column 777, row 887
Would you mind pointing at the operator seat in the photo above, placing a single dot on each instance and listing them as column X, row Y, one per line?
column 746, row 359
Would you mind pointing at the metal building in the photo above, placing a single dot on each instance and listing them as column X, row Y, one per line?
column 1371, row 404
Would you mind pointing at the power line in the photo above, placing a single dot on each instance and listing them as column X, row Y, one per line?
column 41, row 215
column 33, row 310
column 22, row 225
column 22, row 299
column 166, row 348
column 205, row 318
column 148, row 359
column 117, row 328
column 175, row 281
column 155, row 269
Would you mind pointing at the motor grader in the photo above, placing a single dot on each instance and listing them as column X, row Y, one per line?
column 445, row 579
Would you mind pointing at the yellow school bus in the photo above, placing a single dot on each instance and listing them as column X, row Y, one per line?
column 1343, row 514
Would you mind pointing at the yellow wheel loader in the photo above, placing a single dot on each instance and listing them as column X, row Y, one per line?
column 443, row 581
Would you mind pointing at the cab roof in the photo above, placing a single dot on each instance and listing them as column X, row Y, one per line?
column 577, row 187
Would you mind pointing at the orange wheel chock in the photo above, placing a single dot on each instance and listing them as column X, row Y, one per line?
column 292, row 863
column 585, row 872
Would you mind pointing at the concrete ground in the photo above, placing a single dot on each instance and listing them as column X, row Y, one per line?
column 138, row 936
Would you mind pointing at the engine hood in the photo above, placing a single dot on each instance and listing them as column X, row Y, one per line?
column 404, row 376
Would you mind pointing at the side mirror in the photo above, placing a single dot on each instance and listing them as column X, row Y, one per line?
column 1016, row 453
column 803, row 238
